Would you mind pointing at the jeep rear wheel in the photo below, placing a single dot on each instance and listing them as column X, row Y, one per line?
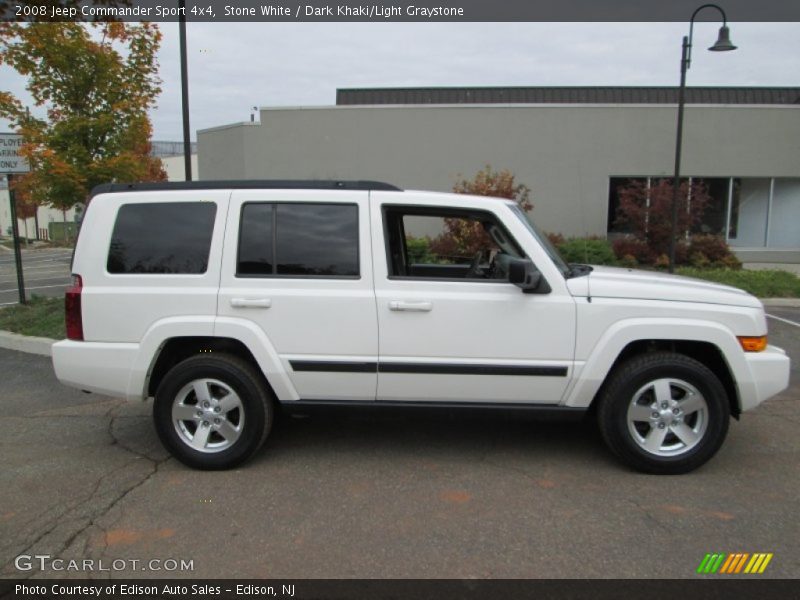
column 212, row 412
column 664, row 413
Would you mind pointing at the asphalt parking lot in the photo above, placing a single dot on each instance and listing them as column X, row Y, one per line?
column 85, row 477
column 46, row 273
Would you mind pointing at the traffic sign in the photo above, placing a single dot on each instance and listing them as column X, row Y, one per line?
column 11, row 161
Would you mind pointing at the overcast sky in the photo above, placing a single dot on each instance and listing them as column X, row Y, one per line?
column 233, row 67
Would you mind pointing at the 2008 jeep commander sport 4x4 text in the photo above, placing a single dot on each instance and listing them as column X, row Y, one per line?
column 228, row 301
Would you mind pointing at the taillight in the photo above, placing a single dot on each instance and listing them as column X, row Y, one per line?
column 72, row 309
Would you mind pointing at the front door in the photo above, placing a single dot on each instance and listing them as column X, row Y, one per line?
column 452, row 328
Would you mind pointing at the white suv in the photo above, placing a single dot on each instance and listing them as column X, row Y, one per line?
column 227, row 301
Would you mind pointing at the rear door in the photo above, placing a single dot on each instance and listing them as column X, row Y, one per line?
column 298, row 264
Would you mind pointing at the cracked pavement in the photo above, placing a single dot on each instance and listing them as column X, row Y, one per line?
column 85, row 477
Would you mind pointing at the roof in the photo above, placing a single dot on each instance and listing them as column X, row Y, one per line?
column 284, row 184
column 567, row 95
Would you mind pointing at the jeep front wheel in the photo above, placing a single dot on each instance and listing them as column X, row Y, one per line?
column 212, row 412
column 664, row 413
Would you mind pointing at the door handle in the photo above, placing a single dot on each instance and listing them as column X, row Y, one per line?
column 411, row 306
column 251, row 302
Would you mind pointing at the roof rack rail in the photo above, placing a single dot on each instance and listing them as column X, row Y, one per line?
column 291, row 184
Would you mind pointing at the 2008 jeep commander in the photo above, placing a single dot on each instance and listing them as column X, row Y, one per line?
column 228, row 300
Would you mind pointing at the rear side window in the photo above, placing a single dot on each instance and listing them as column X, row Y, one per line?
column 162, row 238
column 298, row 240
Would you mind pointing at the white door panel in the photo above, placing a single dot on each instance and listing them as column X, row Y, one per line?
column 323, row 328
column 471, row 341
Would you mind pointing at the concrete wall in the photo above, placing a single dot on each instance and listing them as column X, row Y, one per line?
column 564, row 153
column 176, row 168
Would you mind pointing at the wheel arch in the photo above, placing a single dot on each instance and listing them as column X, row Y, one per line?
column 166, row 345
column 705, row 353
column 177, row 349
column 710, row 343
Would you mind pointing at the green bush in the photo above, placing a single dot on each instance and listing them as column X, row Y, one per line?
column 419, row 250
column 590, row 251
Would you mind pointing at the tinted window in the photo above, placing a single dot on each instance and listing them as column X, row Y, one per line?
column 166, row 237
column 255, row 240
column 317, row 239
column 305, row 240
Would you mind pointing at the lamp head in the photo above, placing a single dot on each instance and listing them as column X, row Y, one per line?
column 723, row 43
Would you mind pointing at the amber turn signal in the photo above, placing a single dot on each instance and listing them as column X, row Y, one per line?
column 753, row 344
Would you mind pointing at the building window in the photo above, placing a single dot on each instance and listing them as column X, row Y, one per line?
column 784, row 221
column 751, row 212
column 749, row 208
column 715, row 213
column 614, row 186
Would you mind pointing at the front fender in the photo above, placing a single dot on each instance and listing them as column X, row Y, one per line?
column 592, row 373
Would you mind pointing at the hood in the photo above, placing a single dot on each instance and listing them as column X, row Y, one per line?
column 614, row 282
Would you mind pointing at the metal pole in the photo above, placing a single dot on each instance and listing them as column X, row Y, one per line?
column 676, row 181
column 15, row 232
column 187, row 144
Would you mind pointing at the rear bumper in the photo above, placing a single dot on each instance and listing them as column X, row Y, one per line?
column 769, row 375
column 99, row 367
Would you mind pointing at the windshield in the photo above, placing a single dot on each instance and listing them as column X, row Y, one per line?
column 543, row 240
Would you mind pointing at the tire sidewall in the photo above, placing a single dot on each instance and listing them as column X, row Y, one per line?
column 614, row 419
column 256, row 419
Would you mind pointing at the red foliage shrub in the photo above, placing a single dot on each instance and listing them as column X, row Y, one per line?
column 648, row 213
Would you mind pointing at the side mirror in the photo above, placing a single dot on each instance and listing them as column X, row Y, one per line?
column 523, row 274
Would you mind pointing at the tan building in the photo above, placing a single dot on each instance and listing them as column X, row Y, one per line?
column 572, row 146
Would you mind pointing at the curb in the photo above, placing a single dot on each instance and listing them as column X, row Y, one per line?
column 26, row 343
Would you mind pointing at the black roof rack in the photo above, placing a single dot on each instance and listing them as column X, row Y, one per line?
column 289, row 184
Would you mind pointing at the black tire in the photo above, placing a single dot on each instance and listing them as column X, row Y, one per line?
column 627, row 436
column 253, row 415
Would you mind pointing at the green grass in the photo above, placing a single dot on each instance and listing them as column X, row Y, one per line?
column 41, row 317
column 764, row 284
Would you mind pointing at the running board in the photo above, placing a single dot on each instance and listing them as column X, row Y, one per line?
column 385, row 407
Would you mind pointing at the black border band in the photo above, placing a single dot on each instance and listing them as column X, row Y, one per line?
column 328, row 366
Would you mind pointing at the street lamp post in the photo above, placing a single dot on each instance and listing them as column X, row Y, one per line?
column 722, row 44
column 187, row 141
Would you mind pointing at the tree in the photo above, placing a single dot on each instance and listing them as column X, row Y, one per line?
column 500, row 184
column 465, row 238
column 25, row 209
column 647, row 212
column 97, row 83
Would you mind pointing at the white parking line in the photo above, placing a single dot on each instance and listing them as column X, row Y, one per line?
column 41, row 287
column 31, row 281
column 29, row 256
column 47, row 265
column 783, row 320
column 32, row 273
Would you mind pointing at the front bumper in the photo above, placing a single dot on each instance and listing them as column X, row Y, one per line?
column 769, row 375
